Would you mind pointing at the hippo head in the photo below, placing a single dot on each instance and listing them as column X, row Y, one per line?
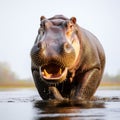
column 56, row 48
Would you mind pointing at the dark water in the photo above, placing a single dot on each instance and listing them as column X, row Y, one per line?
column 27, row 105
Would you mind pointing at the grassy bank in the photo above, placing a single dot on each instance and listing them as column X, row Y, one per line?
column 30, row 84
column 109, row 85
column 18, row 84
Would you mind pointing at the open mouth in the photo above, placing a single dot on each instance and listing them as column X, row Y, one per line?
column 53, row 73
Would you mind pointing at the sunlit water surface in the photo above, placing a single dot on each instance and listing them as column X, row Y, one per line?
column 25, row 104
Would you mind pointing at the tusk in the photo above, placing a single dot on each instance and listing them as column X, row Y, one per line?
column 60, row 71
column 47, row 74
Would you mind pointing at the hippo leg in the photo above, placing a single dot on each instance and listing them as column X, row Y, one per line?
column 56, row 93
column 90, row 82
column 42, row 88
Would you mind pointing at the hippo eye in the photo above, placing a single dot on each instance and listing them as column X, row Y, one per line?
column 42, row 26
column 70, row 26
column 70, row 29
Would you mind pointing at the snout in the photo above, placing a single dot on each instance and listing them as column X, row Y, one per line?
column 67, row 48
column 43, row 53
column 53, row 60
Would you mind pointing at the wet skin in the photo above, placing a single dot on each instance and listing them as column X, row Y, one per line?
column 67, row 61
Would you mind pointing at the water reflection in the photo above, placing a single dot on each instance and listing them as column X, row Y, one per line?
column 66, row 110
column 26, row 105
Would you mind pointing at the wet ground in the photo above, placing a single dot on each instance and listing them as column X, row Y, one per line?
column 24, row 104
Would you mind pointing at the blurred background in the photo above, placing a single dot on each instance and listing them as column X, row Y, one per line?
column 19, row 23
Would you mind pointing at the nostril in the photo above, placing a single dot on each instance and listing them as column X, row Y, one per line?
column 67, row 47
column 41, row 45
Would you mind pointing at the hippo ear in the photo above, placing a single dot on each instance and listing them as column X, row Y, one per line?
column 42, row 18
column 73, row 19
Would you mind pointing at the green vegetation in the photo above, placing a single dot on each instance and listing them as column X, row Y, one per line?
column 109, row 81
column 9, row 79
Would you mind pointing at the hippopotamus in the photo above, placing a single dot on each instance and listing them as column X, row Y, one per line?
column 67, row 61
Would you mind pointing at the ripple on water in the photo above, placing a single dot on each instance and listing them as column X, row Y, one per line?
column 26, row 104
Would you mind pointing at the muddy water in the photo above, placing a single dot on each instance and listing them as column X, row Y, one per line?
column 27, row 105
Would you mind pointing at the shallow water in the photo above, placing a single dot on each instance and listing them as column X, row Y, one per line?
column 26, row 104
